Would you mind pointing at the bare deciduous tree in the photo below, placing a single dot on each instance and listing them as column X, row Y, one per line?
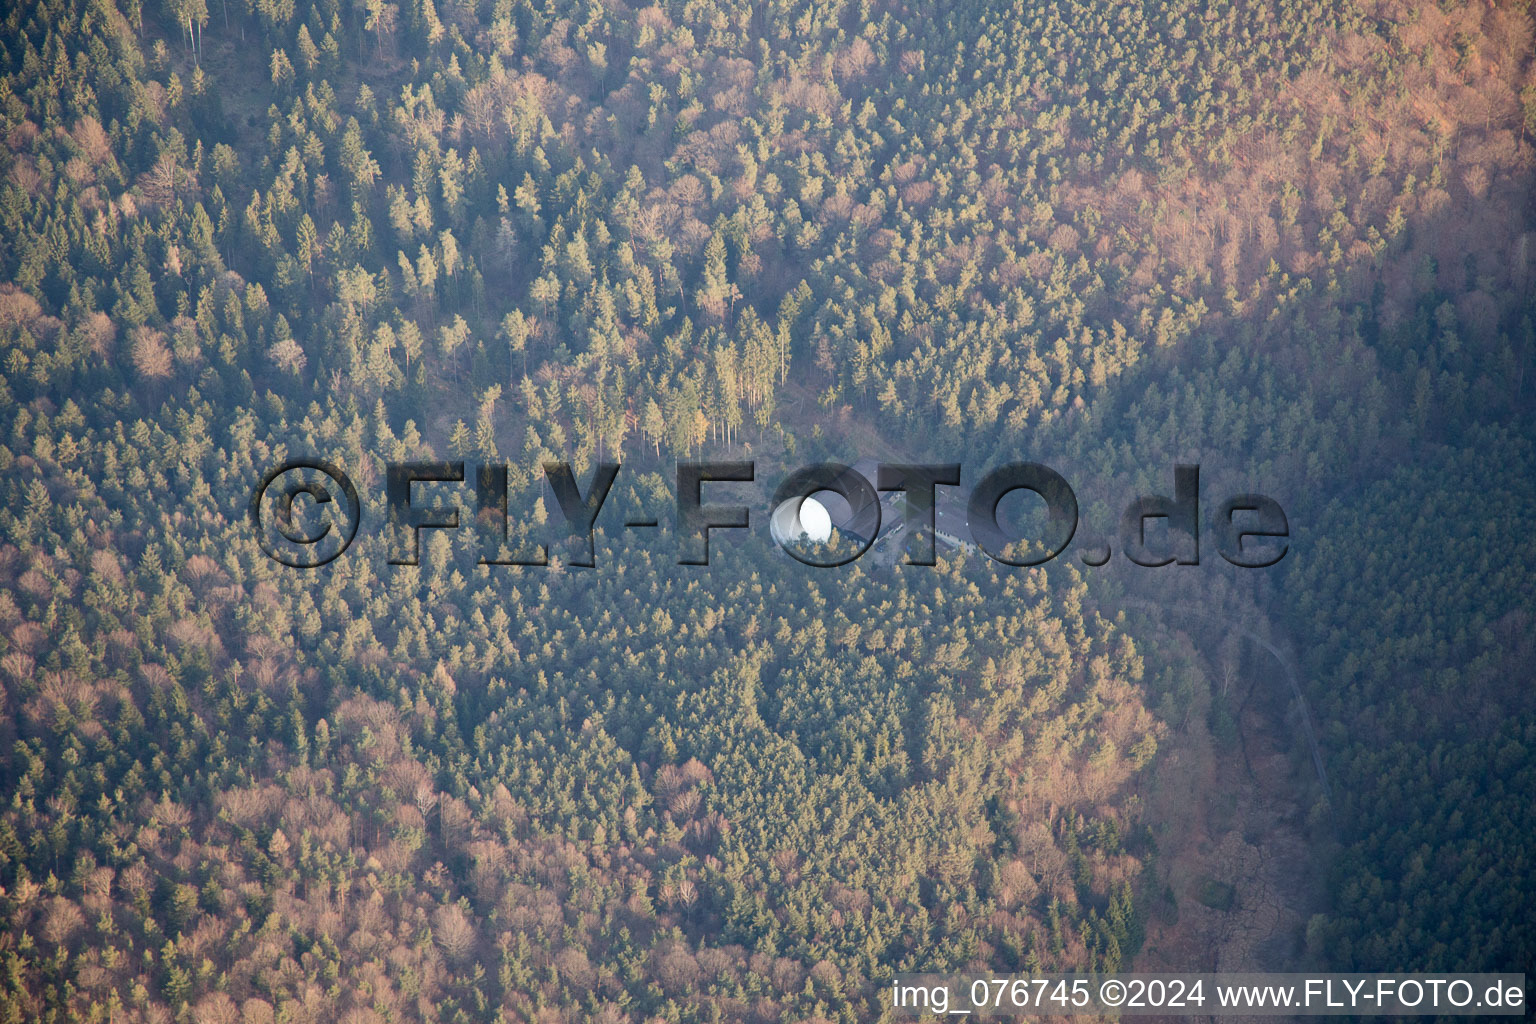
column 453, row 931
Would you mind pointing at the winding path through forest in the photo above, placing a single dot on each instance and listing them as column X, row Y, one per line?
column 1290, row 674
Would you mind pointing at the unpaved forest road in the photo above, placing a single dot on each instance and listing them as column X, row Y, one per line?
column 1290, row 675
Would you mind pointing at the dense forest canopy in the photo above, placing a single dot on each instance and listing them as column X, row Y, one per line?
column 1289, row 240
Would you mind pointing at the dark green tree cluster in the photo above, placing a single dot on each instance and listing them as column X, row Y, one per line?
column 1420, row 603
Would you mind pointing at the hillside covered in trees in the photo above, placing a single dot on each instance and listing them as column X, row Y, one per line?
column 1292, row 241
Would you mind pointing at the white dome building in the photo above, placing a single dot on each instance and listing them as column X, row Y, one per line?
column 798, row 519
